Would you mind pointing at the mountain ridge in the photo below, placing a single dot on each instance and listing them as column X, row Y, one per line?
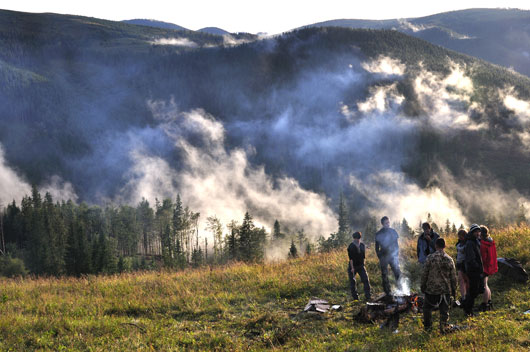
column 482, row 33
column 112, row 98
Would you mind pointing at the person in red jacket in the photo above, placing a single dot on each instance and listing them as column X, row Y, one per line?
column 488, row 252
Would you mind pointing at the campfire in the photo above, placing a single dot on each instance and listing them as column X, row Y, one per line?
column 389, row 307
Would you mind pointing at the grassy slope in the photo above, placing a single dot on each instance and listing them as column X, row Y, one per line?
column 242, row 307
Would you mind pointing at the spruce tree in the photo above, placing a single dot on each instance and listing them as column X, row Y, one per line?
column 293, row 252
column 447, row 229
column 277, row 233
column 405, row 228
column 146, row 219
column 370, row 230
column 245, row 238
column 232, row 244
column 343, row 221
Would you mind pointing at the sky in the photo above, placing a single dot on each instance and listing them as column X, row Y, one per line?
column 272, row 16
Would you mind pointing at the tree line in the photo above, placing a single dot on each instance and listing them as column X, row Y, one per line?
column 63, row 238
column 44, row 237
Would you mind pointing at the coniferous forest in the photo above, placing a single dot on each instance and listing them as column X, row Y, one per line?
column 44, row 237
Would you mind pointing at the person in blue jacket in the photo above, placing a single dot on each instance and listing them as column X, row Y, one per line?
column 387, row 250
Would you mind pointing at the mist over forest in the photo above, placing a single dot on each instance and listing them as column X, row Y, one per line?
column 113, row 113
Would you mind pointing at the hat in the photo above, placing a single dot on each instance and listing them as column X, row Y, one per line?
column 473, row 228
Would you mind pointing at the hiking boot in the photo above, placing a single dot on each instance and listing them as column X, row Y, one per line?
column 355, row 297
column 483, row 307
column 489, row 305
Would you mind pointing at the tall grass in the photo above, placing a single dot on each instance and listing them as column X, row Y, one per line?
column 246, row 307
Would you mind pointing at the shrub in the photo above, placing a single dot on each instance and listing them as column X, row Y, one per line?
column 12, row 267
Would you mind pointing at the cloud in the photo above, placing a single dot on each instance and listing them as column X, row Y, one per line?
column 381, row 99
column 521, row 108
column 12, row 185
column 215, row 181
column 229, row 40
column 384, row 65
column 184, row 42
column 406, row 25
column 478, row 192
column 59, row 189
column 521, row 114
column 392, row 194
column 446, row 101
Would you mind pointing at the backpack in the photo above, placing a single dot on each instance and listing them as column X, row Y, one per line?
column 512, row 269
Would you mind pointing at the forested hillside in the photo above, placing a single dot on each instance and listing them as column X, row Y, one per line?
column 115, row 114
column 501, row 36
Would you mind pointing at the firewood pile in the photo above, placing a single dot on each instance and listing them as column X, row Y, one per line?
column 389, row 307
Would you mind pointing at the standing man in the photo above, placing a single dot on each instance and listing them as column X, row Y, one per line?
column 438, row 282
column 426, row 242
column 356, row 254
column 474, row 268
column 387, row 250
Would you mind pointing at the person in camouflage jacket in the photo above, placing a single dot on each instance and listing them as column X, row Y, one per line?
column 438, row 282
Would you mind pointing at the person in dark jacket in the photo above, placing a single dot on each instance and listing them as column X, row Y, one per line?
column 463, row 281
column 387, row 250
column 356, row 254
column 474, row 268
column 426, row 241
column 488, row 252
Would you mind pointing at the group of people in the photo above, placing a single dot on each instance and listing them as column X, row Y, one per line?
column 476, row 260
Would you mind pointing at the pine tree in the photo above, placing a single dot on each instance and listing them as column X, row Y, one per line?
column 232, row 244
column 146, row 217
column 277, row 233
column 259, row 238
column 370, row 230
column 293, row 252
column 301, row 238
column 55, row 237
column 245, row 238
column 167, row 248
column 344, row 227
column 405, row 228
column 447, row 229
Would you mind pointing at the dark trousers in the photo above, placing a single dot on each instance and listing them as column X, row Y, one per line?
column 361, row 270
column 476, row 287
column 431, row 302
column 394, row 265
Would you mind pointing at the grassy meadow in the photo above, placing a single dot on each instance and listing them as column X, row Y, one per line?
column 248, row 307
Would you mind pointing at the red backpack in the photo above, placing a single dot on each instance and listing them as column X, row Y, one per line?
column 488, row 252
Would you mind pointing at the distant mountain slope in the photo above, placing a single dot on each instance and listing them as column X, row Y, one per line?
column 501, row 36
column 213, row 30
column 156, row 24
column 111, row 110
